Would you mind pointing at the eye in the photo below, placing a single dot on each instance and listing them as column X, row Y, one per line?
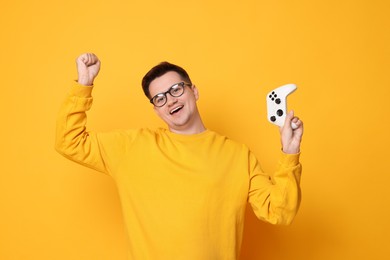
column 159, row 99
column 176, row 89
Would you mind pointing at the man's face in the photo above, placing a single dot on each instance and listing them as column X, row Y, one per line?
column 179, row 113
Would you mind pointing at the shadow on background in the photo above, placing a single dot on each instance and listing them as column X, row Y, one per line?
column 265, row 241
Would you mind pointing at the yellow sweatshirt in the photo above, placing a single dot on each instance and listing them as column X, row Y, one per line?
column 183, row 196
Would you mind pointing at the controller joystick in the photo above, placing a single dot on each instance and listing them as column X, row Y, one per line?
column 277, row 104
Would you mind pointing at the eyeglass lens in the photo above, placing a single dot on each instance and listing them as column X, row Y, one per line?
column 175, row 91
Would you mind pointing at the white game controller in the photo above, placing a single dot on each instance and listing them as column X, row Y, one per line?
column 277, row 104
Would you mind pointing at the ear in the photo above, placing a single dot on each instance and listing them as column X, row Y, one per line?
column 195, row 91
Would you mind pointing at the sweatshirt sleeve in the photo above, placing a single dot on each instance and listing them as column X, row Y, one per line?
column 276, row 199
column 72, row 138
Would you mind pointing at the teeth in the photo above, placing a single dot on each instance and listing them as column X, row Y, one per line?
column 176, row 109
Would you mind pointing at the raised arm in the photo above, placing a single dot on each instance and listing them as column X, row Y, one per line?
column 276, row 198
column 72, row 138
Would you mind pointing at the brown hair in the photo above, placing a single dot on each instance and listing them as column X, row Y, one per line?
column 158, row 71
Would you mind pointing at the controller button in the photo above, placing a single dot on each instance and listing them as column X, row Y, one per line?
column 278, row 101
column 279, row 112
column 273, row 118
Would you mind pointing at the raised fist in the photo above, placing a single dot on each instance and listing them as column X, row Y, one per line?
column 88, row 66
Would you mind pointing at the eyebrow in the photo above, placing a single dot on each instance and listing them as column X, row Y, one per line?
column 164, row 92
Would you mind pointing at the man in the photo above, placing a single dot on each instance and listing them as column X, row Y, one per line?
column 183, row 189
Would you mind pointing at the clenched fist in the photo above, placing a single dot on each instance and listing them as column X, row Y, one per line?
column 88, row 66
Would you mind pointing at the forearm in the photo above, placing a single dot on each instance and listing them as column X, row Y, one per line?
column 287, row 188
column 72, row 139
column 277, row 200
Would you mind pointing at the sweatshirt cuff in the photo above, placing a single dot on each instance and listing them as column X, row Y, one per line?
column 289, row 160
column 79, row 90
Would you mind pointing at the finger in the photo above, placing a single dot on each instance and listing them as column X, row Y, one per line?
column 295, row 119
column 92, row 59
column 87, row 59
column 83, row 58
column 296, row 122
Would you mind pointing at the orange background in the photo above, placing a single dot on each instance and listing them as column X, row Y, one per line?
column 337, row 52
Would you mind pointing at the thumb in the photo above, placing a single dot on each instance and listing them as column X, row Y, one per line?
column 289, row 117
column 82, row 59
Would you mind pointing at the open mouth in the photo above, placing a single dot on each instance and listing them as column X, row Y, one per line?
column 175, row 110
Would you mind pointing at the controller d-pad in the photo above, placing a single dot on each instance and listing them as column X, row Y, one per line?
column 279, row 112
column 272, row 118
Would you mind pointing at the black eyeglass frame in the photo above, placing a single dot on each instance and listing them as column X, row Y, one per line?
column 170, row 91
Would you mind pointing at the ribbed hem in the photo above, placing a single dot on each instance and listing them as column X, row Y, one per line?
column 289, row 160
column 79, row 90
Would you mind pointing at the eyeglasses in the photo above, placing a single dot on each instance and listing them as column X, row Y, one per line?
column 175, row 90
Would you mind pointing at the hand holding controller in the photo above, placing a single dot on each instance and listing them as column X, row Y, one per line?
column 277, row 104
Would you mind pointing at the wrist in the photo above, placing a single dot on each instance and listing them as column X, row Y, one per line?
column 85, row 81
column 291, row 150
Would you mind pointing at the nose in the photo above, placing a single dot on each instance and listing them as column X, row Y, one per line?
column 171, row 100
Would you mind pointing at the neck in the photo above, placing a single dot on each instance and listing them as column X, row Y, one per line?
column 196, row 127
